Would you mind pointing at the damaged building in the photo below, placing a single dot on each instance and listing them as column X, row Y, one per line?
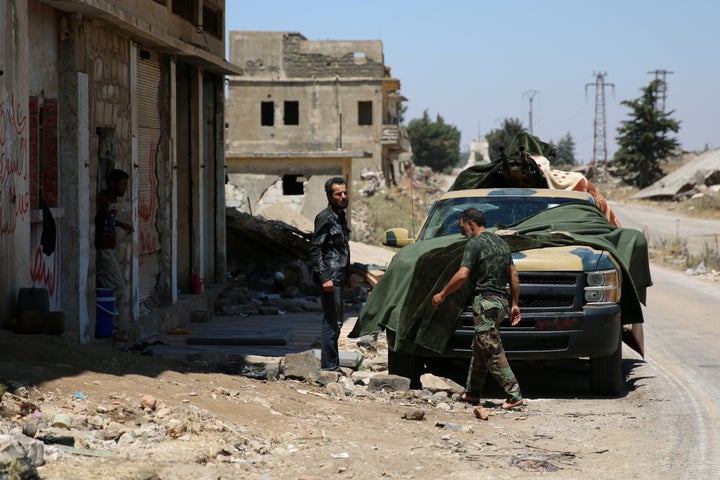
column 90, row 86
column 304, row 111
column 696, row 177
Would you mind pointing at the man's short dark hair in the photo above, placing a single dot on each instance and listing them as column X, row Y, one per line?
column 473, row 215
column 117, row 175
column 334, row 181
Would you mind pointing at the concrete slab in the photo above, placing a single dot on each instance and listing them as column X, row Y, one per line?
column 275, row 336
column 305, row 328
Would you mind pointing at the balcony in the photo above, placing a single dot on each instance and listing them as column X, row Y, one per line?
column 395, row 136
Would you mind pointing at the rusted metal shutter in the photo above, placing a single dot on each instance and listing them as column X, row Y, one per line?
column 148, row 118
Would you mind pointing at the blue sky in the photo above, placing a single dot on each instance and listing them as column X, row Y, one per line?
column 473, row 61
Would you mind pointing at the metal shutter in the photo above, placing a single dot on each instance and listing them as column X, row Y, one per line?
column 148, row 117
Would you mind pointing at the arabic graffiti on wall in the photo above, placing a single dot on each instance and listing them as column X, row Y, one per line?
column 43, row 273
column 14, row 194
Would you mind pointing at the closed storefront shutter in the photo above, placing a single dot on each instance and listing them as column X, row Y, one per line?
column 148, row 117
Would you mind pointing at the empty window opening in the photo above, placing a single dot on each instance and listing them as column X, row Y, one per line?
column 293, row 185
column 267, row 114
column 359, row 58
column 365, row 113
column 212, row 21
column 291, row 113
column 184, row 9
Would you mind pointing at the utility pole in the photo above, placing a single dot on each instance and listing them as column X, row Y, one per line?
column 530, row 94
column 599, row 123
column 662, row 87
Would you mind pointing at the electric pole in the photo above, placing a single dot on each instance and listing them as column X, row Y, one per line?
column 599, row 123
column 530, row 94
column 662, row 87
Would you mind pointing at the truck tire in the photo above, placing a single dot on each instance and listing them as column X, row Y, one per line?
column 606, row 376
column 404, row 364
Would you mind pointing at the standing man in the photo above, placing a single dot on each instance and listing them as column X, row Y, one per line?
column 330, row 255
column 108, row 273
column 487, row 261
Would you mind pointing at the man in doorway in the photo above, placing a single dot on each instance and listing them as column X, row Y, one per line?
column 108, row 273
column 487, row 262
column 330, row 255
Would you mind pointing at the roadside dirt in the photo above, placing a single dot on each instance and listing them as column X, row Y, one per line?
column 213, row 425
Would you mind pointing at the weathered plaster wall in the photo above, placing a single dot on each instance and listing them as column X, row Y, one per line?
column 303, row 58
column 14, row 168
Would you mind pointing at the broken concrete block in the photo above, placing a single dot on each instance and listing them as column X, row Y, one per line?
column 389, row 383
column 19, row 446
column 302, row 366
column 347, row 359
column 438, row 384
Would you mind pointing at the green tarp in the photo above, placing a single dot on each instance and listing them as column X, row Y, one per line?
column 401, row 299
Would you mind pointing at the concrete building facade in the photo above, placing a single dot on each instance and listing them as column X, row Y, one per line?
column 303, row 111
column 87, row 86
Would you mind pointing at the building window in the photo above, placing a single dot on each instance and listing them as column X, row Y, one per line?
column 184, row 9
column 291, row 113
column 212, row 22
column 293, row 184
column 365, row 113
column 267, row 114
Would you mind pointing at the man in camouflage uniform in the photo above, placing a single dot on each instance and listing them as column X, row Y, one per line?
column 487, row 262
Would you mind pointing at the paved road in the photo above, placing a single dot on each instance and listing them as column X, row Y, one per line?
column 682, row 341
column 659, row 224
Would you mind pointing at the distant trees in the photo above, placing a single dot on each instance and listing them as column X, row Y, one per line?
column 565, row 156
column 501, row 137
column 434, row 144
column 645, row 140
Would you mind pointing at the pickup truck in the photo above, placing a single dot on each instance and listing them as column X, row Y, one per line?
column 577, row 295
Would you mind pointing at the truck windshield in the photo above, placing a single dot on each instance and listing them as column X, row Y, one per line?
column 498, row 210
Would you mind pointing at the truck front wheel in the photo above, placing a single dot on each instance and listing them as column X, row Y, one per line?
column 606, row 376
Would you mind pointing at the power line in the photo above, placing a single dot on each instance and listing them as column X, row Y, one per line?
column 662, row 86
column 599, row 123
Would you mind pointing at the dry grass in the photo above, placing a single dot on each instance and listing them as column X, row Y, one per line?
column 403, row 206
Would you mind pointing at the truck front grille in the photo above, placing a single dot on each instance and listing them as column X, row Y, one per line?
column 559, row 291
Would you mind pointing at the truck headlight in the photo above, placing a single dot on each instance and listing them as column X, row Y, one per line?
column 602, row 286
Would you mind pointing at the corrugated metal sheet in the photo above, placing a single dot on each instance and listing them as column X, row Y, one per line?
column 148, row 81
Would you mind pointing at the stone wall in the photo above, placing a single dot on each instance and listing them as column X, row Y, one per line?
column 351, row 61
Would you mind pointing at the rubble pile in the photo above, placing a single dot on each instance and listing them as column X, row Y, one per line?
column 698, row 176
column 42, row 427
column 284, row 286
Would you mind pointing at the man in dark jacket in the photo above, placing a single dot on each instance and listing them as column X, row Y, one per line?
column 330, row 254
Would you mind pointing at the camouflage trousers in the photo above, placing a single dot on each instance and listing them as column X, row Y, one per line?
column 489, row 354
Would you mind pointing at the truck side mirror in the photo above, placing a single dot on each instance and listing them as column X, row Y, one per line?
column 397, row 237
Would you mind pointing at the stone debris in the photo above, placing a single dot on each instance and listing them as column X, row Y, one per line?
column 415, row 414
column 437, row 384
column 302, row 366
column 86, row 427
column 481, row 413
column 699, row 175
column 388, row 383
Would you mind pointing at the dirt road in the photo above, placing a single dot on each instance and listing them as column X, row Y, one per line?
column 210, row 425
column 665, row 425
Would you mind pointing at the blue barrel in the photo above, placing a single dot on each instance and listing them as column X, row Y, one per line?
column 104, row 312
